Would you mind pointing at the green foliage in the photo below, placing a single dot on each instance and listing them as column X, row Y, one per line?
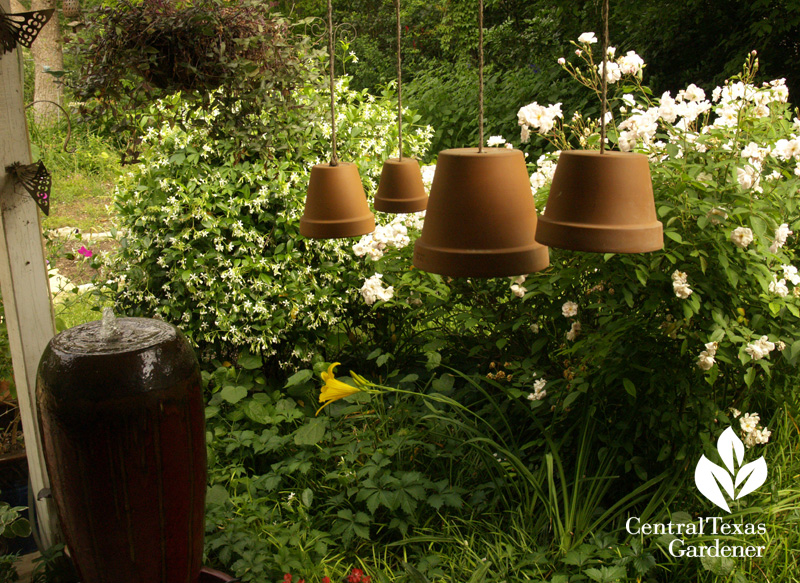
column 83, row 171
column 136, row 53
column 8, row 572
column 297, row 488
column 12, row 525
column 212, row 238
column 446, row 97
column 585, row 392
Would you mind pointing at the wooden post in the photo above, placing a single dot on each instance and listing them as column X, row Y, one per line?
column 23, row 280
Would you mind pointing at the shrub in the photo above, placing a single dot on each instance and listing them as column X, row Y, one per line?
column 135, row 53
column 659, row 345
column 212, row 238
column 446, row 97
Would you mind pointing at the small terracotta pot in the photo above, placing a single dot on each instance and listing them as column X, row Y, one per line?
column 481, row 217
column 602, row 203
column 400, row 189
column 336, row 205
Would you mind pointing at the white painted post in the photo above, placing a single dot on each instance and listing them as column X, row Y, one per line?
column 23, row 279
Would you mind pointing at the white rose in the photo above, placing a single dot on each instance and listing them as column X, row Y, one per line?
column 742, row 237
column 569, row 309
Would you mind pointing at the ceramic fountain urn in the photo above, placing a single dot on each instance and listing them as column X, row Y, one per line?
column 121, row 411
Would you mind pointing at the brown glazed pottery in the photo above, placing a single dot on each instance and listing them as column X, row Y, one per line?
column 481, row 217
column 123, row 430
column 602, row 203
column 400, row 189
column 336, row 205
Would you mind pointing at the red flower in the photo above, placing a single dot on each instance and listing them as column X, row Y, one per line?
column 302, row 581
column 366, row 580
column 355, row 576
column 287, row 578
column 326, row 579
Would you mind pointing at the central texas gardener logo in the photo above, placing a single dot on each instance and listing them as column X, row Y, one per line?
column 735, row 480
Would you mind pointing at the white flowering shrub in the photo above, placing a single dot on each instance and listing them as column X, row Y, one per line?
column 677, row 336
column 211, row 234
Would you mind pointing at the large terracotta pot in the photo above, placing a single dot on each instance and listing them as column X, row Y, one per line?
column 124, row 442
column 601, row 203
column 481, row 217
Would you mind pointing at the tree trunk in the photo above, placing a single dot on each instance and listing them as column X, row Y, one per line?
column 47, row 56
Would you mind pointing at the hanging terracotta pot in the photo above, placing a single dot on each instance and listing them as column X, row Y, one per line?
column 481, row 217
column 400, row 189
column 602, row 203
column 336, row 205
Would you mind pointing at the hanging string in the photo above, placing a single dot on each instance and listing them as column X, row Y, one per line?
column 399, row 88
column 480, row 75
column 334, row 156
column 604, row 81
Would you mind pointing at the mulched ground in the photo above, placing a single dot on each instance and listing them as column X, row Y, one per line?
column 63, row 255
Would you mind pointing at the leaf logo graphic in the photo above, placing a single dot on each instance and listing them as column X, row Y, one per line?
column 715, row 481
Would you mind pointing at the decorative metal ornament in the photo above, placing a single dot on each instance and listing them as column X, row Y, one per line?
column 36, row 180
column 336, row 205
column 21, row 28
column 71, row 8
column 400, row 189
column 601, row 201
column 481, row 217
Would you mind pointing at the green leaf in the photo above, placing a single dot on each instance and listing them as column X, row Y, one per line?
column 233, row 394
column 435, row 501
column 312, row 432
column 307, row 497
column 217, row 494
column 629, row 387
column 249, row 361
column 21, row 528
column 722, row 566
column 443, row 384
column 299, row 377
column 569, row 399
column 759, row 225
column 794, row 350
column 750, row 376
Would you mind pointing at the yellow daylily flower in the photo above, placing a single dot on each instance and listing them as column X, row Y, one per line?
column 333, row 390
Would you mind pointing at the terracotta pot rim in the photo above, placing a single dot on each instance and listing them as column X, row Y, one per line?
column 609, row 154
column 487, row 152
column 405, row 160
column 328, row 166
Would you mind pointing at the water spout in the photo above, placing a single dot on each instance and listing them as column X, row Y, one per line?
column 108, row 327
